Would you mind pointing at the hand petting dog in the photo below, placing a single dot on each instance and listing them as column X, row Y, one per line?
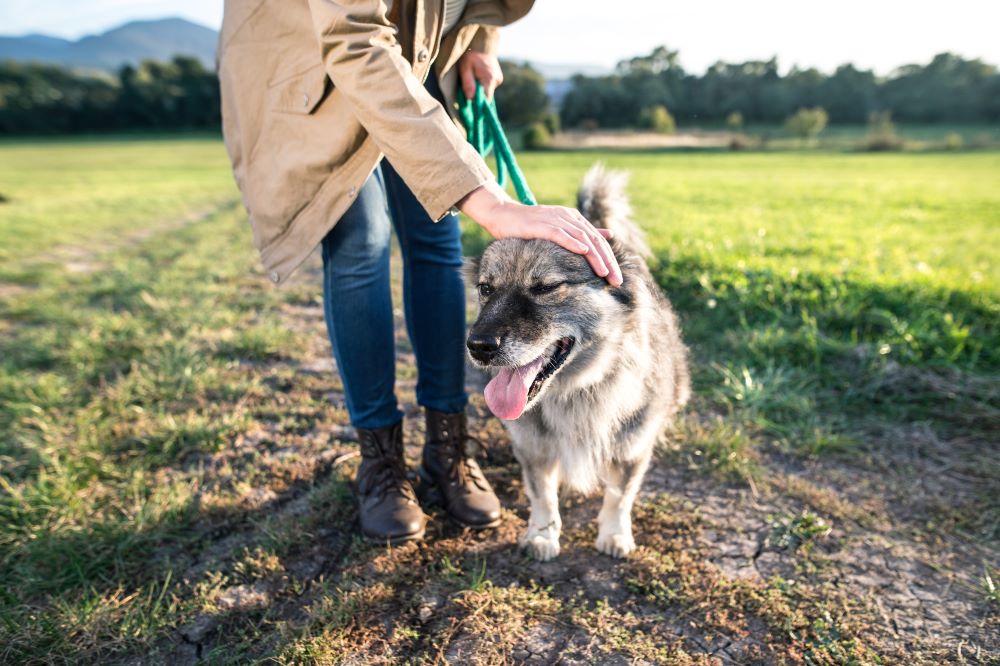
column 503, row 217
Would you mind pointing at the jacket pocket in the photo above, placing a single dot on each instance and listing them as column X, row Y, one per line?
column 300, row 93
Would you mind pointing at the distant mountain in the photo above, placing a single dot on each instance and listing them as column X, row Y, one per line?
column 164, row 38
column 139, row 40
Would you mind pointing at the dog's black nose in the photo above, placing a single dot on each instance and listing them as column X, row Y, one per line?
column 483, row 347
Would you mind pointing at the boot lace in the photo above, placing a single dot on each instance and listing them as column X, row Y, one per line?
column 386, row 475
column 463, row 468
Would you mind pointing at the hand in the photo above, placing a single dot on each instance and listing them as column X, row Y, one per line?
column 492, row 209
column 474, row 66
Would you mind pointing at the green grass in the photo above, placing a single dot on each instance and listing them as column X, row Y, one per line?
column 95, row 193
column 915, row 136
column 827, row 297
column 148, row 387
column 929, row 220
column 807, row 280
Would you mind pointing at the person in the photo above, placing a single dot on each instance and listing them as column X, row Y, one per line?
column 336, row 120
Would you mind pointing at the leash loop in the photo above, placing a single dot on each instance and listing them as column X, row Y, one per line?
column 484, row 132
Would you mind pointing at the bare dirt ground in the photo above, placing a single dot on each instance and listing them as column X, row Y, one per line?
column 610, row 140
column 825, row 561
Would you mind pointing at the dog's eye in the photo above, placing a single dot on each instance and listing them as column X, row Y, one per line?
column 485, row 289
column 546, row 288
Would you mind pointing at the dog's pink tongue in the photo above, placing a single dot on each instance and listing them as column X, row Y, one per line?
column 507, row 393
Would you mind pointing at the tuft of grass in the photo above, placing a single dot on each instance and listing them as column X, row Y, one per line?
column 793, row 532
column 991, row 591
column 263, row 341
column 802, row 618
column 716, row 445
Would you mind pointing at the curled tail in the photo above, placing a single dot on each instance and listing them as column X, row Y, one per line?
column 602, row 200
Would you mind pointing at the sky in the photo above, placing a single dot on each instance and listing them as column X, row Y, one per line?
column 873, row 34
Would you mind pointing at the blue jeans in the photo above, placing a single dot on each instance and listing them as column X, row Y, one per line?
column 358, row 302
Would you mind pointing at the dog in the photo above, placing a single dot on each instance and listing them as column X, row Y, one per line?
column 586, row 375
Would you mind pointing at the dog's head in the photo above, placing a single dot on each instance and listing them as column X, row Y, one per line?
column 541, row 307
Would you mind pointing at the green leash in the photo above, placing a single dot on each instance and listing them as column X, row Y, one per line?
column 483, row 129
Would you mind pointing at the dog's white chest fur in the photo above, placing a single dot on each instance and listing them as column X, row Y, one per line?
column 583, row 419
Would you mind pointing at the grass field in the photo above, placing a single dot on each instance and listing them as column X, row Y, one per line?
column 915, row 136
column 175, row 457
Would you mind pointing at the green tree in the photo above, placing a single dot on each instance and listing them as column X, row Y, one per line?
column 537, row 137
column 598, row 102
column 551, row 122
column 949, row 88
column 849, row 95
column 658, row 119
column 807, row 123
column 734, row 121
column 521, row 100
column 882, row 132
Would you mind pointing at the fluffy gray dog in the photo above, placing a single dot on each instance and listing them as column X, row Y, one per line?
column 586, row 375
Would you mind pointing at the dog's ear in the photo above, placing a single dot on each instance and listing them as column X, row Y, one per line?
column 470, row 269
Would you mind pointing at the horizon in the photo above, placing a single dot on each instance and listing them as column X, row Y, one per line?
column 596, row 44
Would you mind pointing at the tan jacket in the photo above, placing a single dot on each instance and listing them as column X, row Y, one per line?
column 315, row 92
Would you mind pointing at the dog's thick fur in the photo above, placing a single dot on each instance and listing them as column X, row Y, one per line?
column 597, row 418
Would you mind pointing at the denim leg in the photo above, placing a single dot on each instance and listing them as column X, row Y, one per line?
column 358, row 306
column 433, row 296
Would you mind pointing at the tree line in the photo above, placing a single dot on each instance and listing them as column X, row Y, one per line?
column 949, row 89
column 180, row 94
column 43, row 99
column 647, row 91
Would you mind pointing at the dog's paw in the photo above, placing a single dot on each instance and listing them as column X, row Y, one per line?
column 540, row 547
column 616, row 545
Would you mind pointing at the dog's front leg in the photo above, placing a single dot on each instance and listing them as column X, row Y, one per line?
column 614, row 524
column 541, row 481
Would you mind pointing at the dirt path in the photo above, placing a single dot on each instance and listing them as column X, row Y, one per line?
column 630, row 139
column 88, row 258
column 822, row 562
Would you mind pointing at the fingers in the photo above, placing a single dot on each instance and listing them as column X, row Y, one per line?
column 492, row 81
column 564, row 239
column 599, row 264
column 468, row 79
column 594, row 257
column 563, row 226
column 474, row 66
column 599, row 245
column 601, row 242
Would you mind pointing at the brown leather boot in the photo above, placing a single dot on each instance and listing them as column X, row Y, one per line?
column 389, row 508
column 451, row 475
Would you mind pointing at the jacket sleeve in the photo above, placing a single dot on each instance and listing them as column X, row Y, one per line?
column 486, row 40
column 410, row 127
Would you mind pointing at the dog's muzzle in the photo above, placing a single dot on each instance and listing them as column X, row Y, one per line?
column 483, row 348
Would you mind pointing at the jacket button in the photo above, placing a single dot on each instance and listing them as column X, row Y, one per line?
column 274, row 277
column 423, row 55
column 305, row 99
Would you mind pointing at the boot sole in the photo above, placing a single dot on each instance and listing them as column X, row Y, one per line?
column 416, row 536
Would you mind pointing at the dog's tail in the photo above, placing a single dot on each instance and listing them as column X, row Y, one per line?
column 602, row 200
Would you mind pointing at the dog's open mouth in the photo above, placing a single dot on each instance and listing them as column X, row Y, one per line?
column 513, row 388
